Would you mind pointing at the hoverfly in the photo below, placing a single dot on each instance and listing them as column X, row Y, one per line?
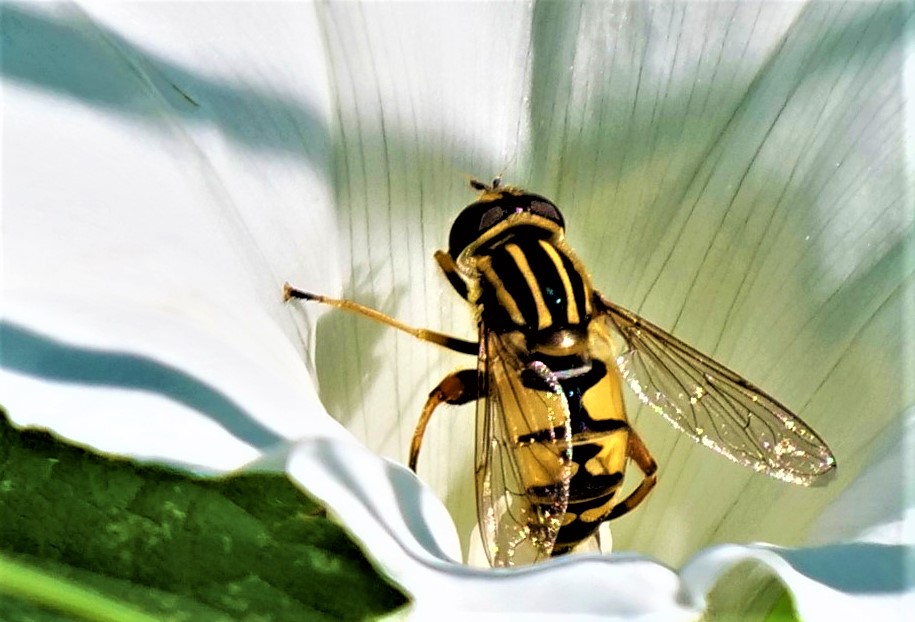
column 553, row 440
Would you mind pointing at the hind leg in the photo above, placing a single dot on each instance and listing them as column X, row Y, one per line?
column 460, row 387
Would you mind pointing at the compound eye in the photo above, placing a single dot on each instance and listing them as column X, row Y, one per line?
column 478, row 218
column 497, row 213
column 491, row 217
column 546, row 210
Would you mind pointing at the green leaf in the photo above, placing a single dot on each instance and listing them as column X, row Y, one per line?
column 783, row 610
column 84, row 535
column 749, row 592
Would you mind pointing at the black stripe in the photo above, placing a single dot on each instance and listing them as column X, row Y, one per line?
column 544, row 494
column 578, row 530
column 533, row 380
column 584, row 485
column 604, row 426
column 578, row 501
column 586, row 490
column 551, row 287
column 542, row 436
column 575, row 389
column 591, row 491
column 573, row 533
column 513, row 280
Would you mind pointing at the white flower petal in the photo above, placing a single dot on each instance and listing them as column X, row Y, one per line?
column 842, row 582
column 135, row 221
column 384, row 505
column 874, row 508
column 734, row 171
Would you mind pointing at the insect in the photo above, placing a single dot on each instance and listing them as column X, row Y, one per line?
column 553, row 440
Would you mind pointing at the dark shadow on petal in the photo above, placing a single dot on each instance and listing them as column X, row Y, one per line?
column 80, row 59
column 30, row 353
column 857, row 568
column 346, row 342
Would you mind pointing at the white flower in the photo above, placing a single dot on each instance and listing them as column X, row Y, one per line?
column 735, row 172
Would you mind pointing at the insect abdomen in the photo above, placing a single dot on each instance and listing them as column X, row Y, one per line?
column 600, row 439
column 530, row 284
column 600, row 442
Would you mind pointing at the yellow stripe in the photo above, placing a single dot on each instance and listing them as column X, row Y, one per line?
column 544, row 318
column 566, row 283
column 485, row 264
column 596, row 514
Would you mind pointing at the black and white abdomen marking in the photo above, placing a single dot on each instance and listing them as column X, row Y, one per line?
column 529, row 284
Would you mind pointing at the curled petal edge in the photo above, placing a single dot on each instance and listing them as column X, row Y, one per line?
column 409, row 533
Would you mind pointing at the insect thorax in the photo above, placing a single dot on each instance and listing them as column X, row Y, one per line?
column 532, row 284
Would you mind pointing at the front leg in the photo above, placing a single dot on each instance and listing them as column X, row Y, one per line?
column 446, row 341
column 460, row 387
column 446, row 263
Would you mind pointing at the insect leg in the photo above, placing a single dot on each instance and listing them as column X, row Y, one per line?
column 446, row 263
column 457, row 388
column 644, row 460
column 446, row 341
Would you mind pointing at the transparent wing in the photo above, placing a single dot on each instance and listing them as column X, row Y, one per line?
column 523, row 455
column 715, row 406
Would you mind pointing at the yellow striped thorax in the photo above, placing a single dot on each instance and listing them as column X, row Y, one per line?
column 511, row 245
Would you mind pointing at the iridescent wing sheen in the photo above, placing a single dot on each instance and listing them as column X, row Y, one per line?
column 523, row 454
column 713, row 405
